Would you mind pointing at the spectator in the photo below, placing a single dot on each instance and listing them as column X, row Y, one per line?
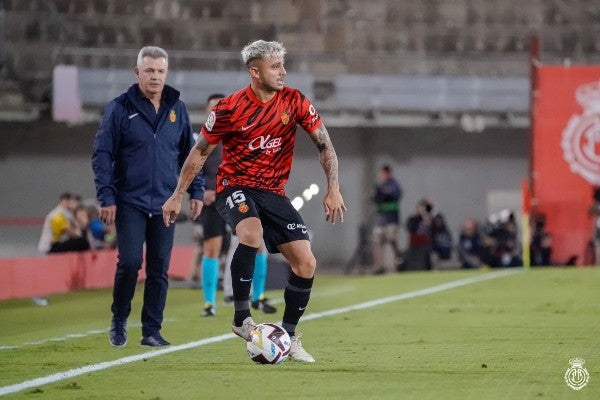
column 470, row 246
column 102, row 235
column 61, row 231
column 387, row 196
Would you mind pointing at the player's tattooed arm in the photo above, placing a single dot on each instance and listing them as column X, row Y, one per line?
column 333, row 201
column 327, row 154
column 193, row 163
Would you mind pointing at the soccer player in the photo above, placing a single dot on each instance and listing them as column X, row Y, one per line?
column 213, row 225
column 257, row 127
column 215, row 229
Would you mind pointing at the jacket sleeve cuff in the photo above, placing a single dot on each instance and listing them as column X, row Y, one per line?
column 197, row 194
column 106, row 199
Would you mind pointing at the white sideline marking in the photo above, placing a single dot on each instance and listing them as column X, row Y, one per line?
column 324, row 293
column 59, row 376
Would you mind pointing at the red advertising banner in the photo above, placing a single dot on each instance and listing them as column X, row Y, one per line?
column 566, row 154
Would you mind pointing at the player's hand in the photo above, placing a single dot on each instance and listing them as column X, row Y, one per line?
column 209, row 197
column 334, row 206
column 195, row 208
column 171, row 209
column 108, row 214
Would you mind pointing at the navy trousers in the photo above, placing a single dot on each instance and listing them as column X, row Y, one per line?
column 134, row 228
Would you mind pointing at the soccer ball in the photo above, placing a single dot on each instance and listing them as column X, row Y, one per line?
column 270, row 344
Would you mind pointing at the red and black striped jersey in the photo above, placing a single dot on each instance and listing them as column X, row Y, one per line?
column 258, row 138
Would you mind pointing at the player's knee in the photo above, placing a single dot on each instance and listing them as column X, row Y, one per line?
column 306, row 267
column 212, row 248
column 250, row 237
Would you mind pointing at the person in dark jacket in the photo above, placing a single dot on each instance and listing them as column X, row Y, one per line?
column 387, row 195
column 141, row 144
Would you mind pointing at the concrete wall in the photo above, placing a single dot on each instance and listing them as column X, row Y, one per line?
column 458, row 170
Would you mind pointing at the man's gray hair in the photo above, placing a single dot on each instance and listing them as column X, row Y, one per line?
column 261, row 49
column 152, row 52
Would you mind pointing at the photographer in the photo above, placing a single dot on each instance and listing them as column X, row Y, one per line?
column 418, row 225
column 540, row 247
column 501, row 244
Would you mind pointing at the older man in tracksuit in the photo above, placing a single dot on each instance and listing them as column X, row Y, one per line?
column 141, row 144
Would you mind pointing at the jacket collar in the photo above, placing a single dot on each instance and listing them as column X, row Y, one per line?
column 169, row 95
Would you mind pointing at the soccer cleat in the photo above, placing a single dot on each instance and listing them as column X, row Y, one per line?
column 263, row 304
column 209, row 310
column 244, row 331
column 228, row 300
column 154, row 340
column 297, row 352
column 117, row 335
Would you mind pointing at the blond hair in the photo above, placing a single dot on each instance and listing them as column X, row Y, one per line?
column 261, row 49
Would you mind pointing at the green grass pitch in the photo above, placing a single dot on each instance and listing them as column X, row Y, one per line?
column 401, row 336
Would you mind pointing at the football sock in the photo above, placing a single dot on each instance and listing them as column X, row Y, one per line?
column 296, row 295
column 260, row 276
column 210, row 276
column 242, row 269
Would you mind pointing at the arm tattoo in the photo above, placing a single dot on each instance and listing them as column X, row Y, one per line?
column 188, row 174
column 194, row 163
column 327, row 154
column 203, row 146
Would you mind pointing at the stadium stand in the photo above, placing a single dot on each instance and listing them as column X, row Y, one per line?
column 325, row 38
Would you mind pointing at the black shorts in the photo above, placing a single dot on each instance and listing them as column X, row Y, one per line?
column 281, row 222
column 213, row 224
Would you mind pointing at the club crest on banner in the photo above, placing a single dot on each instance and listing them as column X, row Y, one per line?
column 581, row 136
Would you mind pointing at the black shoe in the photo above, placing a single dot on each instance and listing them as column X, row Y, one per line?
column 228, row 300
column 117, row 335
column 154, row 340
column 209, row 310
column 263, row 304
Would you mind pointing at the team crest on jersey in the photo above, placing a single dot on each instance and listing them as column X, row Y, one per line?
column 581, row 136
column 243, row 208
column 172, row 116
column 210, row 121
column 285, row 117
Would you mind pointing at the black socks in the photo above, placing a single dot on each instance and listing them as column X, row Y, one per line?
column 296, row 295
column 242, row 270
